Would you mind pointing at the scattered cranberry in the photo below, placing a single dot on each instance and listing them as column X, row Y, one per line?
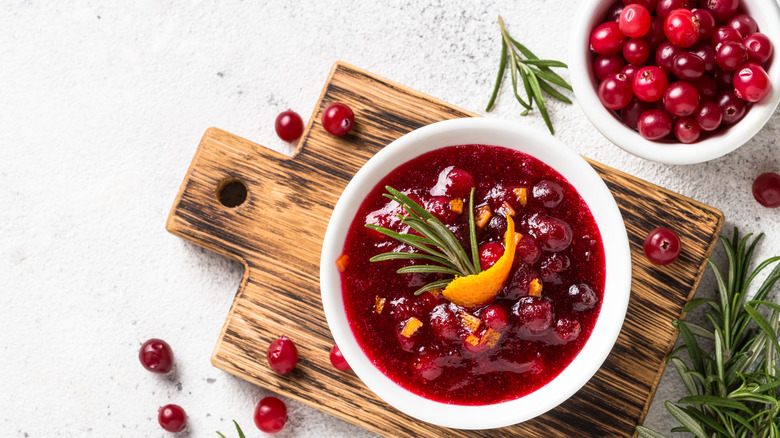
column 156, row 356
column 270, row 415
column 172, row 418
column 634, row 21
column 751, row 83
column 758, row 46
column 662, row 246
column 681, row 27
column 338, row 119
column 282, row 355
column 654, row 124
column 337, row 359
column 766, row 189
column 650, row 84
column 289, row 125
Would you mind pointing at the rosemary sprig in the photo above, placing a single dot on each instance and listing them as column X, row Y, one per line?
column 238, row 429
column 436, row 243
column 536, row 74
column 735, row 388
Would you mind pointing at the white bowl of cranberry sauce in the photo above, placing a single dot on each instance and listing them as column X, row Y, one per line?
column 669, row 92
column 557, row 313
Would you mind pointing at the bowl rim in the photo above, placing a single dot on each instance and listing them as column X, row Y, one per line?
column 617, row 280
column 767, row 15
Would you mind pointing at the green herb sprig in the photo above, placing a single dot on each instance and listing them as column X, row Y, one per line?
column 435, row 243
column 734, row 390
column 238, row 428
column 535, row 73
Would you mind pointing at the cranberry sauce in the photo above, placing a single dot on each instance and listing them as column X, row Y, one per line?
column 541, row 331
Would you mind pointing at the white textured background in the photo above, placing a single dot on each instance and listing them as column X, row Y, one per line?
column 102, row 105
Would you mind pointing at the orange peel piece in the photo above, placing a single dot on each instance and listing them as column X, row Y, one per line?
column 479, row 289
column 410, row 326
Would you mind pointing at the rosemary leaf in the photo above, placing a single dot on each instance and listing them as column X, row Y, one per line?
column 433, row 285
column 501, row 69
column 473, row 233
column 427, row 269
column 410, row 256
column 552, row 92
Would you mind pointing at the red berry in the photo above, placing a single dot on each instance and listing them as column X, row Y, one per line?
column 630, row 71
column 681, row 99
column 634, row 21
column 337, row 359
column 665, row 7
column 766, row 189
column 631, row 112
column 270, row 415
column 688, row 66
column 707, row 87
column 534, row 314
column 709, row 116
column 665, row 54
column 723, row 34
column 733, row 107
column 489, row 253
column 686, row 130
column 650, row 84
column 582, row 297
column 615, row 91
column 730, row 55
column 655, row 36
column 648, row 4
column 722, row 10
column 548, row 192
column 172, row 418
column 567, row 330
column 289, row 125
column 706, row 53
column 453, row 182
column 706, row 24
column 495, row 317
column 606, row 39
column 444, row 322
column 156, row 356
column 681, row 27
column 751, row 83
column 604, row 66
column 552, row 233
column 662, row 246
column 282, row 355
column 758, row 46
column 338, row 119
column 743, row 23
column 636, row 51
column 654, row 124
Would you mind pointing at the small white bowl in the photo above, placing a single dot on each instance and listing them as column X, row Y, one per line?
column 591, row 13
column 608, row 219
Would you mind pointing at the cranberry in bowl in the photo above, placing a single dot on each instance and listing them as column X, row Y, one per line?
column 493, row 345
column 709, row 83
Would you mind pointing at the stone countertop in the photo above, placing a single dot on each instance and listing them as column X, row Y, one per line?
column 103, row 105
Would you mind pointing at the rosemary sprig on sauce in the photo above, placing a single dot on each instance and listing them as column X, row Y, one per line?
column 535, row 73
column 734, row 385
column 435, row 243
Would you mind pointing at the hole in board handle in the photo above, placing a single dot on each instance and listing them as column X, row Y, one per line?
column 231, row 192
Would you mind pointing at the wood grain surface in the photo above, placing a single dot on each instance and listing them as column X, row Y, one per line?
column 277, row 234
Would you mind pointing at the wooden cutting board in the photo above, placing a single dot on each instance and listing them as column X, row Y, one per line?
column 269, row 211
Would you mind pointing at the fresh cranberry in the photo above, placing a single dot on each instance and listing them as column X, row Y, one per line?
column 631, row 112
column 444, row 322
column 766, row 189
column 758, row 46
column 707, row 87
column 709, row 116
column 662, row 246
column 282, row 355
column 722, row 10
column 654, row 124
column 723, row 34
column 172, row 418
column 535, row 314
column 706, row 53
column 650, row 84
column 270, row 415
column 289, row 125
column 665, row 7
column 648, row 4
column 686, row 129
column 733, row 107
column 630, row 71
column 655, row 36
column 724, row 79
column 615, row 91
column 567, row 330
column 636, row 51
column 528, row 249
column 730, row 55
column 634, row 21
column 552, row 233
column 156, row 356
column 665, row 54
column 489, row 253
column 337, row 359
column 604, row 66
column 706, row 24
column 751, row 83
column 743, row 23
column 681, row 99
column 495, row 317
column 613, row 13
column 453, row 182
column 440, row 207
column 338, row 119
column 548, row 192
column 582, row 297
column 426, row 366
column 688, row 66
column 606, row 39
column 681, row 28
